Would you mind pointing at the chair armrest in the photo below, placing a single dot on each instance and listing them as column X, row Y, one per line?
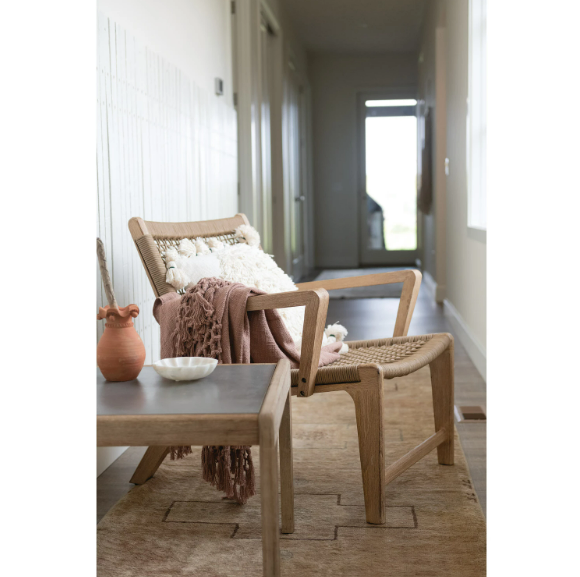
column 411, row 280
column 316, row 303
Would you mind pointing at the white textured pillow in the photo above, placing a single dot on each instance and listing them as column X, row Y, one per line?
column 204, row 266
column 251, row 266
column 243, row 263
column 185, row 269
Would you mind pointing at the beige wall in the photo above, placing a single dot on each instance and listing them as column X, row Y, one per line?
column 336, row 81
column 456, row 262
column 466, row 256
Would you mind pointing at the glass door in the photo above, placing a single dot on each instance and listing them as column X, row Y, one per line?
column 388, row 182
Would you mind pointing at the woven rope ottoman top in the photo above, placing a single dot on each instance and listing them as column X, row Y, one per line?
column 397, row 356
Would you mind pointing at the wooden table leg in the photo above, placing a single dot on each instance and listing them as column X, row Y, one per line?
column 150, row 462
column 286, row 469
column 269, row 494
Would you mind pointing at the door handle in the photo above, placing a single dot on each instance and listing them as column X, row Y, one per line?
column 300, row 199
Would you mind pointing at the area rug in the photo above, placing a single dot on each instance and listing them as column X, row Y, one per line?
column 367, row 292
column 176, row 524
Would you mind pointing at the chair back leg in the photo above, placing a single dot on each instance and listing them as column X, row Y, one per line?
column 442, row 385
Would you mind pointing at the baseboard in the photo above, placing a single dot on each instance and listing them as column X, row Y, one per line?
column 106, row 456
column 473, row 346
column 435, row 290
column 440, row 293
column 429, row 284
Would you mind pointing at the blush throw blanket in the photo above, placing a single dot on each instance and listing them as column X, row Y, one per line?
column 210, row 320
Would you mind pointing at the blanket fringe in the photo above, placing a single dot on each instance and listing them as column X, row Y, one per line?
column 180, row 452
column 231, row 470
column 198, row 333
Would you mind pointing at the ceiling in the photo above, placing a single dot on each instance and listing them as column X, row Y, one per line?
column 356, row 26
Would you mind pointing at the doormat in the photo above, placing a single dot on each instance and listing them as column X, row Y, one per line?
column 366, row 292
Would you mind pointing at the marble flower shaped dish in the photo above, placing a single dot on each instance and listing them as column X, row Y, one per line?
column 185, row 368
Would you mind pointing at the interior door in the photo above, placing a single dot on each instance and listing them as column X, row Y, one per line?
column 295, row 168
column 388, row 181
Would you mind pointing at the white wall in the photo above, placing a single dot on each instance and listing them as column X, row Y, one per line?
column 167, row 145
column 336, row 81
column 194, row 35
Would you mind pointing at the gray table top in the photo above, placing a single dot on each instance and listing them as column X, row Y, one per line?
column 230, row 389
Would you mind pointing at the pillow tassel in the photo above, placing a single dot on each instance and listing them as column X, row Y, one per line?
column 175, row 276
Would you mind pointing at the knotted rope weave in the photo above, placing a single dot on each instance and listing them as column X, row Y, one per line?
column 398, row 356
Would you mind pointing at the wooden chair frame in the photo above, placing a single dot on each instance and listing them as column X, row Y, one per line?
column 367, row 394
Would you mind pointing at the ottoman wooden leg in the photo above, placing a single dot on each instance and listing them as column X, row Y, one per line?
column 368, row 401
column 442, row 384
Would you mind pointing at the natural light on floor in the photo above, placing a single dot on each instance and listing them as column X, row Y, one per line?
column 391, row 176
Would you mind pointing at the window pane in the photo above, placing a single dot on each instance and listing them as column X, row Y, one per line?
column 391, row 182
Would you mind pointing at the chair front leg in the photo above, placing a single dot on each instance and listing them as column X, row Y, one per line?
column 368, row 401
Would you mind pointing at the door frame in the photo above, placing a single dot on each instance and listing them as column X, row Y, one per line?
column 248, row 69
column 402, row 257
column 247, row 61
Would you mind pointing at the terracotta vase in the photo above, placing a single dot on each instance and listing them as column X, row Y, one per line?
column 120, row 352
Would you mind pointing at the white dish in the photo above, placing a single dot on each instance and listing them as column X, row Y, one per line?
column 185, row 368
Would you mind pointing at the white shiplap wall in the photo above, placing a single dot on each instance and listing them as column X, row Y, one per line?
column 166, row 151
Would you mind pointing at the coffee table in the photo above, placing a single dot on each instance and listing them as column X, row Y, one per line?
column 235, row 405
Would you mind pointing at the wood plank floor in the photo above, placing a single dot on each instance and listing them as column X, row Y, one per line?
column 364, row 319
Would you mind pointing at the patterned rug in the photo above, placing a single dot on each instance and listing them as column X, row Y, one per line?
column 176, row 524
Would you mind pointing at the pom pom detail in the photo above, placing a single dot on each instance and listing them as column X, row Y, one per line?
column 175, row 276
column 201, row 246
column 335, row 333
column 215, row 244
column 187, row 248
column 247, row 234
column 171, row 254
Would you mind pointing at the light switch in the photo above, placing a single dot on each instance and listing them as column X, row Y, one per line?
column 446, row 167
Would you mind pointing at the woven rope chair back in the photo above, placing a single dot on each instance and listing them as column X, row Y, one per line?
column 152, row 239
